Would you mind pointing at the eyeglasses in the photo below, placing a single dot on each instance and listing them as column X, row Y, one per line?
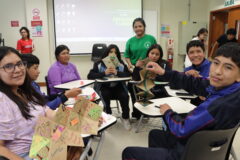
column 9, row 68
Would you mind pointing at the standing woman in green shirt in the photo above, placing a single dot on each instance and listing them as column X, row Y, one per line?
column 137, row 46
column 136, row 49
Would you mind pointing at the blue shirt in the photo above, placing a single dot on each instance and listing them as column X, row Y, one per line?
column 203, row 68
column 51, row 104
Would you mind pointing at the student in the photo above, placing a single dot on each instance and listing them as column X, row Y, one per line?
column 20, row 107
column 33, row 72
column 200, row 65
column 62, row 70
column 112, row 90
column 155, row 54
column 25, row 44
column 137, row 46
column 221, row 110
column 201, row 36
column 230, row 36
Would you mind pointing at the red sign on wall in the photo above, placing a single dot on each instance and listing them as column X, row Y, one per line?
column 14, row 23
column 36, row 23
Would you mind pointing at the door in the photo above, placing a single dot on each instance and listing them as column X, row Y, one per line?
column 218, row 23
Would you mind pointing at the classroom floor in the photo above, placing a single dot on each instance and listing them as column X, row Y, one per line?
column 117, row 138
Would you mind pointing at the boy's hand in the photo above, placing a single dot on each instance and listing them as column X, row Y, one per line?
column 164, row 108
column 193, row 73
column 73, row 92
column 140, row 63
column 155, row 68
column 130, row 67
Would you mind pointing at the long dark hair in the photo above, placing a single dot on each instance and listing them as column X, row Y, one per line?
column 25, row 89
column 201, row 31
column 27, row 30
column 108, row 49
column 156, row 46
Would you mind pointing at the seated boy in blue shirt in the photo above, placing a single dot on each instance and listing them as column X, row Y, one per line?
column 221, row 109
column 200, row 65
column 33, row 72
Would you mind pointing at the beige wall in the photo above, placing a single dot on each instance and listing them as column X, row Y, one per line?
column 8, row 13
column 173, row 11
column 168, row 12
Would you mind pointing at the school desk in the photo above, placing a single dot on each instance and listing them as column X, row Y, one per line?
column 177, row 104
column 74, row 84
column 179, row 93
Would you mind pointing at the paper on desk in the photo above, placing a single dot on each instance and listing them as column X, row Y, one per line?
column 51, row 139
column 82, row 118
column 177, row 104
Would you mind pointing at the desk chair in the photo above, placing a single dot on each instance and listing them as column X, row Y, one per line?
column 135, row 90
column 47, row 85
column 210, row 145
column 97, row 51
column 50, row 96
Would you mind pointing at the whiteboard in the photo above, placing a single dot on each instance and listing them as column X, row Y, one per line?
column 186, row 32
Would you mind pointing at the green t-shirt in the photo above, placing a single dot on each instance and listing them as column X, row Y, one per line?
column 136, row 48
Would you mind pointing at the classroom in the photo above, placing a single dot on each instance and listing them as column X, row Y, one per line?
column 137, row 62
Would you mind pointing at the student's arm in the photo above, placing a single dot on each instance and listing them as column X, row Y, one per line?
column 180, row 80
column 54, row 104
column 136, row 74
column 19, row 46
column 7, row 126
column 94, row 73
column 213, row 50
column 5, row 152
column 76, row 72
column 129, row 63
column 33, row 46
column 54, row 78
column 127, row 55
column 154, row 40
column 124, row 73
column 183, row 127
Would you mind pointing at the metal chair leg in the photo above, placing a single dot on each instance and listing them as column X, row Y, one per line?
column 139, row 123
column 99, row 146
column 117, row 106
column 85, row 152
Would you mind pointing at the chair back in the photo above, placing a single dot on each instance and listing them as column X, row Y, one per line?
column 210, row 145
column 97, row 51
column 47, row 85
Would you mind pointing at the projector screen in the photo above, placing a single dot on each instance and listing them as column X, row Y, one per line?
column 81, row 23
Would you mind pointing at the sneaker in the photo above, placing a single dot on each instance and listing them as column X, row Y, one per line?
column 126, row 124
